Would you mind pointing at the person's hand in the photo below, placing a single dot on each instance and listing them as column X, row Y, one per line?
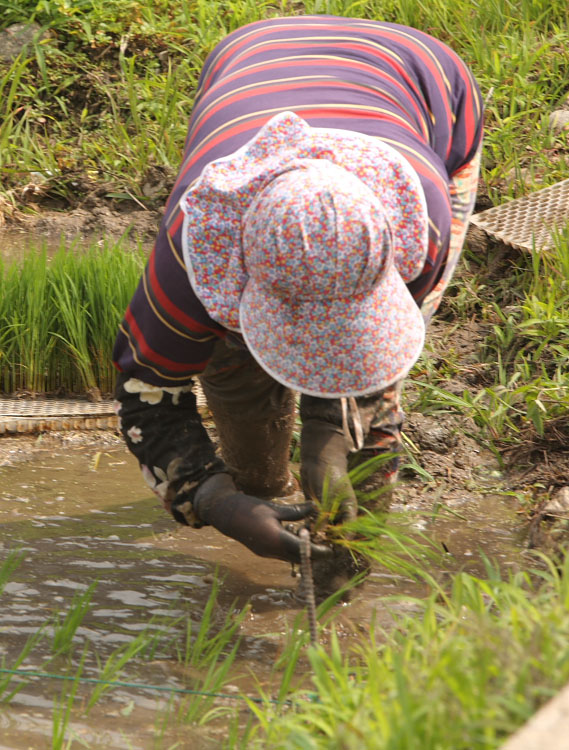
column 324, row 464
column 253, row 522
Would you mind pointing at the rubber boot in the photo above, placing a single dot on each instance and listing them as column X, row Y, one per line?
column 254, row 418
column 382, row 419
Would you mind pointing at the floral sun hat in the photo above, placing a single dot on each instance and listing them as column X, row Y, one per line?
column 303, row 240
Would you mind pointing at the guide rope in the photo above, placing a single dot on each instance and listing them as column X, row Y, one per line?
column 139, row 686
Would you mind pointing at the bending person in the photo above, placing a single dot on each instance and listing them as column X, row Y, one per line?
column 329, row 172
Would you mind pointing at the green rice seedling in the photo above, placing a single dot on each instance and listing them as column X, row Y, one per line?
column 204, row 647
column 13, row 560
column 59, row 317
column 72, row 328
column 383, row 539
column 63, row 706
column 27, row 321
column 7, row 569
column 198, row 708
column 287, row 664
column 450, row 649
column 115, row 663
column 64, row 630
column 107, row 282
column 208, row 657
column 289, row 669
column 374, row 536
column 7, row 691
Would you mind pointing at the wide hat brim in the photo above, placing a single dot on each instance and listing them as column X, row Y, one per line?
column 348, row 346
column 215, row 205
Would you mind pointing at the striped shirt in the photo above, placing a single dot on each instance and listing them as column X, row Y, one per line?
column 385, row 80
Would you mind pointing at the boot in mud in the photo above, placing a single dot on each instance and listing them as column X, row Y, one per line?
column 332, row 574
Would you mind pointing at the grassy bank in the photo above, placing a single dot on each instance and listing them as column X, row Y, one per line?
column 99, row 101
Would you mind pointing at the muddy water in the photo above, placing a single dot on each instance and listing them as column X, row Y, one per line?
column 81, row 513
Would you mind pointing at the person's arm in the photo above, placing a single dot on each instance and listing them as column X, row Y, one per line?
column 162, row 428
column 462, row 188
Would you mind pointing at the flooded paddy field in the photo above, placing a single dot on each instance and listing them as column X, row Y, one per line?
column 76, row 508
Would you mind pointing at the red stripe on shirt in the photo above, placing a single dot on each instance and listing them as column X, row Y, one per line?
column 244, row 40
column 151, row 355
column 342, row 114
column 293, row 86
column 178, row 315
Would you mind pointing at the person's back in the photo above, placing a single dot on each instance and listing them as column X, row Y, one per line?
column 380, row 79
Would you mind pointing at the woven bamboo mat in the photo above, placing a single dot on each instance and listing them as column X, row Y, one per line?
column 37, row 415
column 531, row 221
column 21, row 415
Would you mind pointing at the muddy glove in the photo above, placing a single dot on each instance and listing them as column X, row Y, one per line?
column 324, row 463
column 253, row 522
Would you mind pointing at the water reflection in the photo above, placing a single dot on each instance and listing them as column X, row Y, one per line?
column 75, row 526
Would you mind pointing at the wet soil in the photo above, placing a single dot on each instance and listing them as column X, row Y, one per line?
column 100, row 219
column 77, row 508
column 94, row 217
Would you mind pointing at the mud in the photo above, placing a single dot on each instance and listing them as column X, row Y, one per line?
column 95, row 216
column 85, row 226
column 77, row 508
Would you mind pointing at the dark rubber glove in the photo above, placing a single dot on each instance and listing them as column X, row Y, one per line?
column 324, row 460
column 253, row 522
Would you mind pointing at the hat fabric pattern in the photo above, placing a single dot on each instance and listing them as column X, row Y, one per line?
column 303, row 240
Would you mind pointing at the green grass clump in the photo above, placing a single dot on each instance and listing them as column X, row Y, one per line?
column 523, row 383
column 59, row 317
column 461, row 672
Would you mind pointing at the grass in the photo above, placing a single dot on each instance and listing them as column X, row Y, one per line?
column 369, row 692
column 104, row 100
column 65, row 629
column 523, row 385
column 100, row 106
column 439, row 678
column 59, row 317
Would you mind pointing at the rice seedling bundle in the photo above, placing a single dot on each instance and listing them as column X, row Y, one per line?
column 59, row 317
